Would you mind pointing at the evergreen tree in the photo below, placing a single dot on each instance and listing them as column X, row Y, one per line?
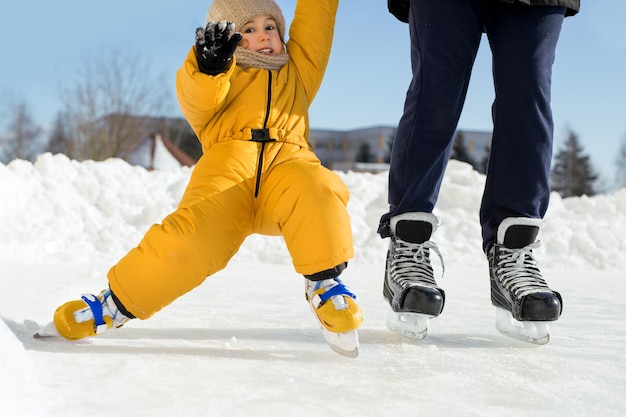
column 484, row 163
column 365, row 153
column 388, row 147
column 572, row 174
column 460, row 151
column 621, row 165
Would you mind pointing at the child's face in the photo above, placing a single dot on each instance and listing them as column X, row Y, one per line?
column 261, row 35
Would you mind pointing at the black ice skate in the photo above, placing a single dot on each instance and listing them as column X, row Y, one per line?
column 524, row 302
column 409, row 286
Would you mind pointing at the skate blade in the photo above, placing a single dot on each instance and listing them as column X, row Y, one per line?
column 346, row 344
column 411, row 325
column 535, row 332
column 49, row 330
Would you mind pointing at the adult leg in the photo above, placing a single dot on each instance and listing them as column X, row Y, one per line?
column 523, row 40
column 445, row 36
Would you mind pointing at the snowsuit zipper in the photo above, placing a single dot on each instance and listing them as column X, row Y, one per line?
column 263, row 135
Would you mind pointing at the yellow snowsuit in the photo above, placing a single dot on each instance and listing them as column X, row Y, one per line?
column 249, row 180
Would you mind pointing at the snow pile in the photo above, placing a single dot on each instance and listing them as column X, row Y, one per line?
column 61, row 210
column 18, row 378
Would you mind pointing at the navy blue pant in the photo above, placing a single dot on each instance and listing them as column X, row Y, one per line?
column 445, row 36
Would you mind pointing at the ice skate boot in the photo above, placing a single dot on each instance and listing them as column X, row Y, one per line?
column 524, row 302
column 338, row 314
column 410, row 287
column 90, row 316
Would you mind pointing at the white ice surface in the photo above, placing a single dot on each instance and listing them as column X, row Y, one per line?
column 245, row 343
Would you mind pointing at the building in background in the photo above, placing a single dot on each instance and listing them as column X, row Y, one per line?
column 345, row 150
column 369, row 149
column 157, row 152
column 365, row 149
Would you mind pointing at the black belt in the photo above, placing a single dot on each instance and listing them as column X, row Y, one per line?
column 262, row 136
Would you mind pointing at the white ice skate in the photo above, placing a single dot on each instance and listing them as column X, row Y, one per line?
column 90, row 316
column 338, row 314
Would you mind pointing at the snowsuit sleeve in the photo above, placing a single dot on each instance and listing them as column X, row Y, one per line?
column 204, row 94
column 310, row 41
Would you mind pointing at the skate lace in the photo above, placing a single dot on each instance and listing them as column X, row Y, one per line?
column 518, row 271
column 410, row 263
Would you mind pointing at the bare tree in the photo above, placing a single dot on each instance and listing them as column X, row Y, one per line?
column 20, row 140
column 107, row 108
column 59, row 140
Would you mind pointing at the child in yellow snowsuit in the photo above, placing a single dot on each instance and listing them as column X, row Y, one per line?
column 246, row 95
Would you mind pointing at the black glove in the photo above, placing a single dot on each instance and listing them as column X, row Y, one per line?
column 214, row 49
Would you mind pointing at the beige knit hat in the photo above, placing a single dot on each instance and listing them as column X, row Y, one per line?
column 241, row 12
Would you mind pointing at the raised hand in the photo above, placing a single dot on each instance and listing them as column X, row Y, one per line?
column 215, row 47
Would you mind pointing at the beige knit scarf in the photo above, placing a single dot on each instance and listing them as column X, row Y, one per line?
column 252, row 59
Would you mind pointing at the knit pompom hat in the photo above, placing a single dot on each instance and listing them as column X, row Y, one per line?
column 241, row 12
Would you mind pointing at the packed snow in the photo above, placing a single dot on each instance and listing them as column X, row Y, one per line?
column 245, row 343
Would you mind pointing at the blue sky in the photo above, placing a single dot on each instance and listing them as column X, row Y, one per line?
column 43, row 44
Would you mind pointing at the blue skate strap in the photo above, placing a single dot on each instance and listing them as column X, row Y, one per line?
column 338, row 289
column 96, row 309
